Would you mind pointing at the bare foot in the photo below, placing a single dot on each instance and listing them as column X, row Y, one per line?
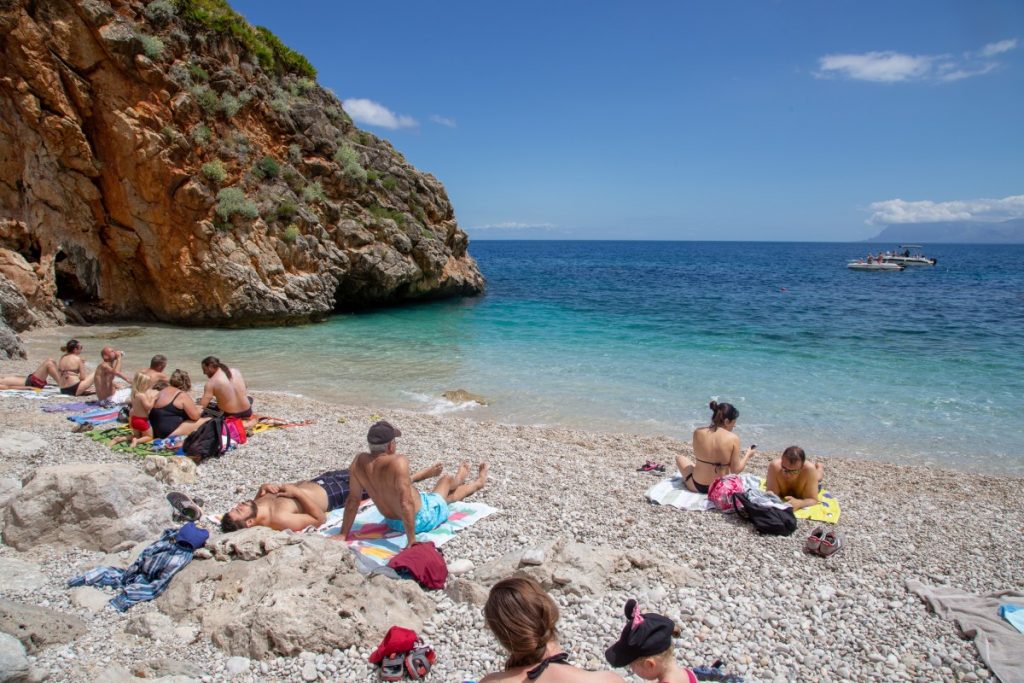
column 433, row 471
column 461, row 473
column 135, row 442
column 481, row 477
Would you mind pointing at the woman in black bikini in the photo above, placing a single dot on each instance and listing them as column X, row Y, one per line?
column 174, row 412
column 716, row 450
column 75, row 380
column 523, row 619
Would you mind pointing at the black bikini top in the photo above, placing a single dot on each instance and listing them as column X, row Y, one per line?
column 534, row 673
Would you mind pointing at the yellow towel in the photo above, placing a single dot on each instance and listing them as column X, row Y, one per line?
column 827, row 510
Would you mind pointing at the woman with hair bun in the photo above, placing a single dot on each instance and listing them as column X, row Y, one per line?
column 524, row 618
column 75, row 378
column 716, row 450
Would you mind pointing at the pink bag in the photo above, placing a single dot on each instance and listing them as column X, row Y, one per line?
column 722, row 489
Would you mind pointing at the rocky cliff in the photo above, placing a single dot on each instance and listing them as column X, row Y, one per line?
column 166, row 160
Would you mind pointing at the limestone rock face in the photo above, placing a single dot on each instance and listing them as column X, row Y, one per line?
column 304, row 596
column 161, row 163
column 105, row 507
column 36, row 627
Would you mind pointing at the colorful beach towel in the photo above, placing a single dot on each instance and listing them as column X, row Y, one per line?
column 672, row 492
column 96, row 417
column 29, row 392
column 827, row 510
column 375, row 543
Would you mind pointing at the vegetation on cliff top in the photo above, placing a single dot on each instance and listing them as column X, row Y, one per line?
column 272, row 54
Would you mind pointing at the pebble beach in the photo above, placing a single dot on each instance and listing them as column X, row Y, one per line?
column 769, row 611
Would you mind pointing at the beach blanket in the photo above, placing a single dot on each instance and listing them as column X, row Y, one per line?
column 105, row 436
column 375, row 543
column 96, row 417
column 28, row 392
column 827, row 510
column 672, row 492
column 977, row 617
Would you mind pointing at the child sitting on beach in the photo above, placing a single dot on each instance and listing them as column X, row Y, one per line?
column 143, row 396
column 645, row 646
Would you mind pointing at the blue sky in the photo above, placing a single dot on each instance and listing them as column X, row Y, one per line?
column 685, row 120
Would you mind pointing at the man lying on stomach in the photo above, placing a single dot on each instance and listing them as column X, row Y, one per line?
column 384, row 474
column 300, row 504
column 795, row 480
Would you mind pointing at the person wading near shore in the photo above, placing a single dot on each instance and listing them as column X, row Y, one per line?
column 300, row 504
column 795, row 480
column 384, row 474
column 107, row 371
column 716, row 450
column 156, row 368
column 35, row 380
column 227, row 386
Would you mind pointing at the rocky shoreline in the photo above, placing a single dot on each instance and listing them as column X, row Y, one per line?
column 758, row 603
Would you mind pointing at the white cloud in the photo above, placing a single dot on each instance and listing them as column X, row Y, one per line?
column 375, row 114
column 893, row 211
column 993, row 49
column 881, row 67
column 895, row 67
column 515, row 225
column 443, row 121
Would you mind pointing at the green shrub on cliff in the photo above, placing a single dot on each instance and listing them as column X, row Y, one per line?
column 198, row 72
column 390, row 182
column 382, row 212
column 291, row 233
column 286, row 210
column 268, row 49
column 231, row 201
column 228, row 105
column 348, row 159
column 152, row 46
column 314, row 192
column 214, row 171
column 206, row 98
column 160, row 11
column 201, row 135
column 267, row 167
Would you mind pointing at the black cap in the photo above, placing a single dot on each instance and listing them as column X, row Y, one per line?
column 381, row 433
column 643, row 635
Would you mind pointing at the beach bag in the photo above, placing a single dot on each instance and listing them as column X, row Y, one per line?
column 208, row 441
column 235, row 429
column 765, row 518
column 723, row 489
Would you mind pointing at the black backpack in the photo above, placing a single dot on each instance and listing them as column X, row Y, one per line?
column 206, row 441
column 765, row 518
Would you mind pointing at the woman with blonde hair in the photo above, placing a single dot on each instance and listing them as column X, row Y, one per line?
column 524, row 618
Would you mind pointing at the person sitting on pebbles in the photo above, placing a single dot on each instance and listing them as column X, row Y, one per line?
column 384, row 474
column 645, row 647
column 35, row 380
column 300, row 504
column 795, row 480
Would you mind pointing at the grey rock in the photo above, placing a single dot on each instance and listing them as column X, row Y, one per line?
column 37, row 627
column 20, row 576
column 13, row 660
column 237, row 665
column 107, row 507
column 309, row 672
column 532, row 557
column 459, row 567
column 15, row 442
column 92, row 599
column 9, row 488
column 170, row 469
column 464, row 591
column 152, row 625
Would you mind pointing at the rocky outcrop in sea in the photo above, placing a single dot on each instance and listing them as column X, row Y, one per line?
column 166, row 160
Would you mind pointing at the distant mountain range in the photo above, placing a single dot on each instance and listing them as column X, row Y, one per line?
column 1005, row 232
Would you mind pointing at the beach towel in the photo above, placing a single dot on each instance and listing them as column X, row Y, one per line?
column 96, row 417
column 375, row 544
column 671, row 491
column 105, row 436
column 977, row 617
column 827, row 510
column 76, row 407
column 29, row 392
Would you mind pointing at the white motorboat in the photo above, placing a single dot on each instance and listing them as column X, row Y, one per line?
column 864, row 265
column 908, row 257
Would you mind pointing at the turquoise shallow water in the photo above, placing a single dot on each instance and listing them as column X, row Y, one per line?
column 922, row 366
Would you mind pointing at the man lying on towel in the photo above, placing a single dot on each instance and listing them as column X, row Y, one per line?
column 795, row 480
column 300, row 504
column 384, row 474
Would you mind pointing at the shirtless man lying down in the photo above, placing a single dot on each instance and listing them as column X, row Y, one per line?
column 300, row 504
column 795, row 480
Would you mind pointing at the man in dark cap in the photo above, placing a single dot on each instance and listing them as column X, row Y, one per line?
column 645, row 646
column 384, row 474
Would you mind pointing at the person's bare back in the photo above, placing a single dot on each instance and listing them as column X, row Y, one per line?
column 227, row 386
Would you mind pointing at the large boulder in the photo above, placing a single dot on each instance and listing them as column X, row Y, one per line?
column 36, row 627
column 13, row 661
column 304, row 596
column 108, row 507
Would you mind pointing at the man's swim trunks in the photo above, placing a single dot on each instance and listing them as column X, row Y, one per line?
column 335, row 483
column 33, row 381
column 433, row 513
column 242, row 414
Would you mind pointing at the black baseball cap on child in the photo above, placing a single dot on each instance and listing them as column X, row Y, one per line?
column 643, row 635
column 381, row 433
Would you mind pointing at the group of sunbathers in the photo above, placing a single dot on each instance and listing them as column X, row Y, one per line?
column 380, row 474
column 160, row 405
column 716, row 452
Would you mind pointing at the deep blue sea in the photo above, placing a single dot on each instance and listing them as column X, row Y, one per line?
column 921, row 366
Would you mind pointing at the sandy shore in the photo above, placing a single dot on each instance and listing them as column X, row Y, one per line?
column 761, row 605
